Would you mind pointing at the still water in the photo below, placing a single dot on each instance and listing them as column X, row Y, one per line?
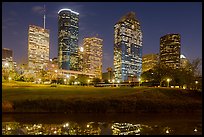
column 102, row 124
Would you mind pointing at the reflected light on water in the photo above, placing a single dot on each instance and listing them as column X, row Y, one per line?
column 90, row 128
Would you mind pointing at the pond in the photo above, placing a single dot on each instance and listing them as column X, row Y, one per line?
column 102, row 124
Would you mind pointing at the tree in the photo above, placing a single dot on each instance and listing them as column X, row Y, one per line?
column 71, row 80
column 83, row 79
column 96, row 80
column 179, row 77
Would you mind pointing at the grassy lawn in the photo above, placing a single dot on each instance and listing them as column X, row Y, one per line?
column 44, row 98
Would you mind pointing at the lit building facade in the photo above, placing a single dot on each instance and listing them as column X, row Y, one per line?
column 7, row 54
column 93, row 56
column 183, row 61
column 127, row 48
column 170, row 50
column 81, row 58
column 7, row 60
column 149, row 61
column 38, row 47
column 68, row 31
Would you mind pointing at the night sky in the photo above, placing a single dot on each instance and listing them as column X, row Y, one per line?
column 156, row 19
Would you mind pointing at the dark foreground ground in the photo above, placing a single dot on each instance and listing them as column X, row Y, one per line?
column 76, row 99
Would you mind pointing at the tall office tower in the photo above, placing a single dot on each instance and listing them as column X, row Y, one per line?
column 127, row 48
column 38, row 47
column 81, row 58
column 93, row 56
column 68, row 31
column 149, row 61
column 170, row 50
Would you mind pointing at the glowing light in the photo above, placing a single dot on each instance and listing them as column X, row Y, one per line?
column 195, row 130
column 55, row 132
column 196, row 82
column 167, row 131
column 182, row 56
column 109, row 80
column 68, row 10
column 168, row 80
column 81, row 49
column 88, row 80
column 118, row 81
column 67, row 124
column 39, row 79
column 50, row 59
column 9, row 78
column 67, row 76
column 65, row 80
column 139, row 79
column 87, row 126
column 6, row 64
column 9, row 128
column 56, row 71
column 113, row 80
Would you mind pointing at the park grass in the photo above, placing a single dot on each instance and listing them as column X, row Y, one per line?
column 70, row 99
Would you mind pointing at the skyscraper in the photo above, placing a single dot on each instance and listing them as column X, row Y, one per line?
column 68, row 31
column 93, row 56
column 149, row 61
column 81, row 58
column 170, row 50
column 38, row 47
column 127, row 48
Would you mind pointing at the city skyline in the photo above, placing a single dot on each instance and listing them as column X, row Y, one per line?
column 185, row 19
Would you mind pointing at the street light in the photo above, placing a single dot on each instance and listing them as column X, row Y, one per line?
column 139, row 81
column 65, row 81
column 113, row 81
column 168, row 82
column 196, row 82
column 9, row 78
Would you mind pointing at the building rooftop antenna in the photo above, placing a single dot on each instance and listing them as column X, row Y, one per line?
column 44, row 16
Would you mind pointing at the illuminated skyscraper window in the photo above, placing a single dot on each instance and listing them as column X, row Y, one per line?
column 92, row 56
column 127, row 48
column 38, row 47
column 68, row 31
column 170, row 50
column 149, row 61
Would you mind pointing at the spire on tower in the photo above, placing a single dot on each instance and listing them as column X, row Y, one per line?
column 44, row 17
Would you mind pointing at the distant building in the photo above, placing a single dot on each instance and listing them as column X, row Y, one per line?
column 81, row 58
column 127, row 48
column 92, row 56
column 149, row 61
column 7, row 59
column 170, row 50
column 183, row 61
column 108, row 75
column 53, row 64
column 68, row 35
column 38, row 47
column 7, row 54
